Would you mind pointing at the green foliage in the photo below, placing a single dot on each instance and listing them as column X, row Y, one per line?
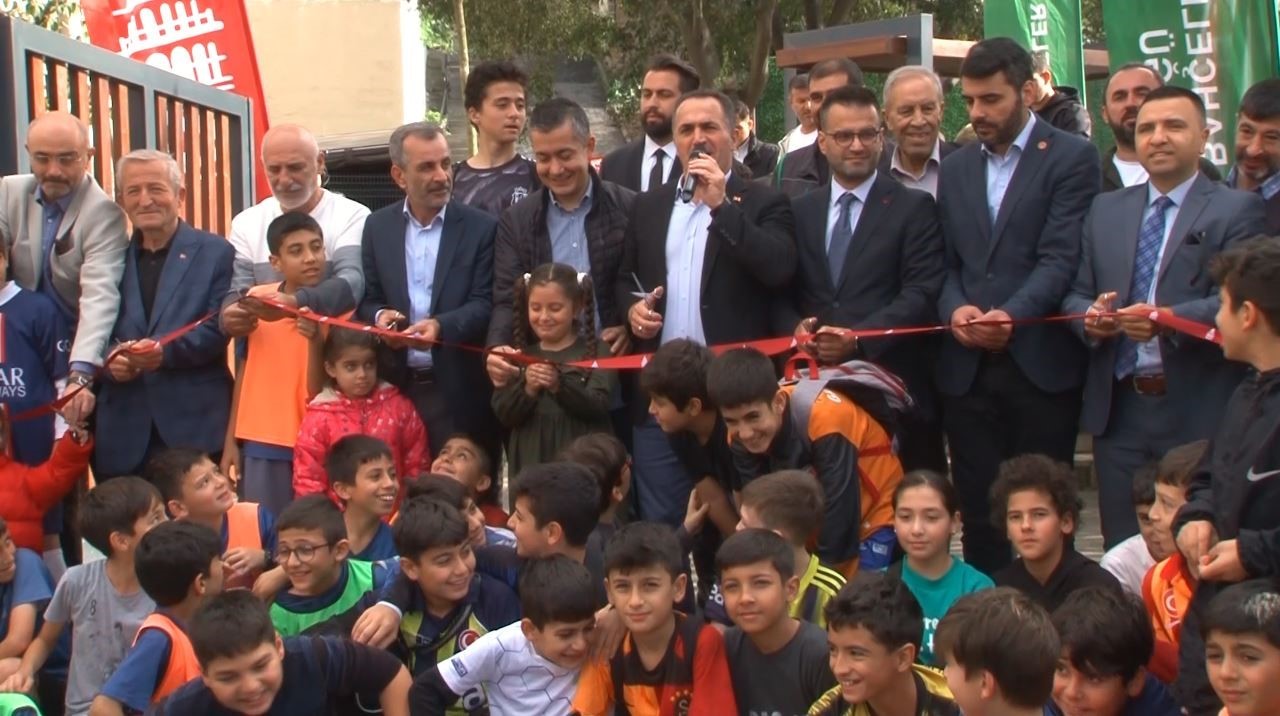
column 437, row 30
column 53, row 15
column 771, row 112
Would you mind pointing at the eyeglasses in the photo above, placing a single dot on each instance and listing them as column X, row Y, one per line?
column 845, row 137
column 304, row 552
column 66, row 160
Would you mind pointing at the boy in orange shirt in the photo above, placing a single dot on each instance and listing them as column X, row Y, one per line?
column 668, row 664
column 1168, row 586
column 271, row 378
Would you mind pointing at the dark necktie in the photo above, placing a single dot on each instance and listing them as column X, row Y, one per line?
column 841, row 237
column 655, row 174
column 1150, row 239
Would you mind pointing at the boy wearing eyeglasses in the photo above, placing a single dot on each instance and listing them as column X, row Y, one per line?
column 324, row 583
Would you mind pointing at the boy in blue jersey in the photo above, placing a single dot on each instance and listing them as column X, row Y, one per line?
column 25, row 590
column 362, row 473
column 34, row 346
column 325, row 584
column 450, row 605
column 247, row 668
column 195, row 490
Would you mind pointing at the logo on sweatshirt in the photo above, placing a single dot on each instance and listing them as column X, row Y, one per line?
column 1256, row 476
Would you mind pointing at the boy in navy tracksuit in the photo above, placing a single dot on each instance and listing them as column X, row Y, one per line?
column 1229, row 530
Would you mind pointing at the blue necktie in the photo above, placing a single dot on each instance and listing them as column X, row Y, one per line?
column 1150, row 239
column 841, row 237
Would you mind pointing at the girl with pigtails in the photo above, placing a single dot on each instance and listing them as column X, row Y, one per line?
column 550, row 404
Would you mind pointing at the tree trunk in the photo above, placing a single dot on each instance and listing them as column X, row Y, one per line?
column 464, row 60
column 812, row 14
column 699, row 44
column 778, row 26
column 840, row 11
column 760, row 51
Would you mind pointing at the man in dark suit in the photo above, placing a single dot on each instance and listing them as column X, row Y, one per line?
column 156, row 396
column 913, row 105
column 870, row 256
column 760, row 158
column 576, row 218
column 1127, row 87
column 649, row 162
column 1011, row 206
column 428, row 266
column 732, row 241
column 1257, row 166
column 805, row 169
column 1149, row 390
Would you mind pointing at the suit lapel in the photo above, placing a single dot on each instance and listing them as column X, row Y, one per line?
column 450, row 236
column 815, row 241
column 1029, row 165
column 1123, row 251
column 977, row 171
column 1194, row 204
column 131, row 292
column 873, row 211
column 398, row 291
column 733, row 192
column 35, row 236
column 182, row 254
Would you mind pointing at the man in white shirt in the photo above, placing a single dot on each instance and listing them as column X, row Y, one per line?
column 806, row 132
column 294, row 165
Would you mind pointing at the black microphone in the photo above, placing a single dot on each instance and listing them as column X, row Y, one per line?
column 689, row 182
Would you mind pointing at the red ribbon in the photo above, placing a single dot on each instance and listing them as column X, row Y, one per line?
column 768, row 346
column 60, row 403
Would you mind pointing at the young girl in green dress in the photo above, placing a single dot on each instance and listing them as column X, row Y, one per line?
column 549, row 404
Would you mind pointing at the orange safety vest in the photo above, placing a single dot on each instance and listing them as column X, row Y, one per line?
column 273, row 391
column 182, row 666
column 879, row 470
column 242, row 531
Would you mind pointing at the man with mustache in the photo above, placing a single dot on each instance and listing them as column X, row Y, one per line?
column 294, row 166
column 806, row 130
column 428, row 268
column 1011, row 207
column 1145, row 248
column 913, row 104
column 496, row 176
column 68, row 242
column 1126, row 88
column 651, row 161
column 1257, row 166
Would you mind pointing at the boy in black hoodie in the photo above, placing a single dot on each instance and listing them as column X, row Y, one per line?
column 1229, row 530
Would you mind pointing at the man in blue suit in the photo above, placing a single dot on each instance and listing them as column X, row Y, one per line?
column 428, row 265
column 1011, row 207
column 1148, row 246
column 157, row 396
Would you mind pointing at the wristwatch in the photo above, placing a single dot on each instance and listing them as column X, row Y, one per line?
column 81, row 379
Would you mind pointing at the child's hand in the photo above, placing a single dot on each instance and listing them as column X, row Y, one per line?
column 243, row 560
column 608, row 634
column 377, row 627
column 501, row 371
column 21, row 682
column 307, row 327
column 1222, row 563
column 695, row 514
column 230, row 464
column 544, row 375
column 269, row 584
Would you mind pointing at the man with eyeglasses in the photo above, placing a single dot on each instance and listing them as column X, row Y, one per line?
column 68, row 242
column 806, row 169
column 870, row 256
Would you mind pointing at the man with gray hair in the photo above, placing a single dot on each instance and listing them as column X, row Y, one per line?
column 913, row 104
column 68, row 243
column 156, row 396
column 428, row 268
column 294, row 168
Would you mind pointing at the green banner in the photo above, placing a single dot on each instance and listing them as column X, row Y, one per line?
column 1218, row 48
column 1049, row 25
